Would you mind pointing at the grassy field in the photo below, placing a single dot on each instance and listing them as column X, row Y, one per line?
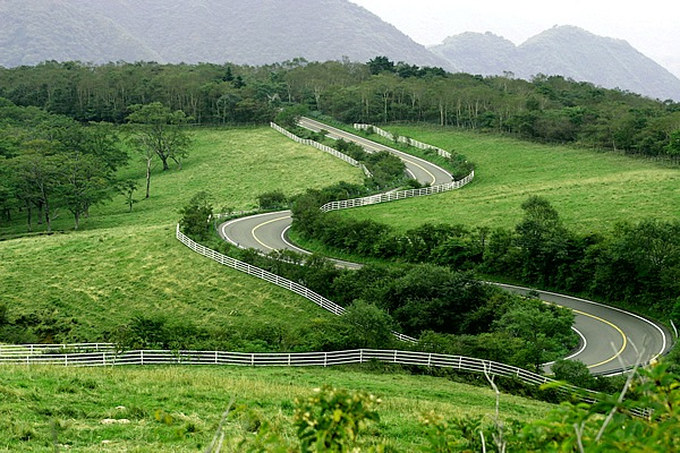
column 178, row 408
column 124, row 264
column 591, row 190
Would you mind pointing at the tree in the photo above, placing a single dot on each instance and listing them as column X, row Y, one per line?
column 83, row 183
column 542, row 240
column 38, row 175
column 159, row 130
column 673, row 147
column 380, row 64
column 196, row 216
column 369, row 326
column 127, row 189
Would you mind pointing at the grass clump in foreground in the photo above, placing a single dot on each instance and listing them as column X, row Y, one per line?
column 591, row 190
column 179, row 408
column 82, row 286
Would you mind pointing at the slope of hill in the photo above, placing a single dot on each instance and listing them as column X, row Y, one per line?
column 567, row 51
column 253, row 32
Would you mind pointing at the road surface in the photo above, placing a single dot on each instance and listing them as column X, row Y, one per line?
column 611, row 338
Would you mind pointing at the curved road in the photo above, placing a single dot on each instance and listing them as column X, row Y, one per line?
column 609, row 336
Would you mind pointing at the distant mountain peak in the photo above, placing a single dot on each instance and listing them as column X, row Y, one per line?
column 218, row 31
column 565, row 50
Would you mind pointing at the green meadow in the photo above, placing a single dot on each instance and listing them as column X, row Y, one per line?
column 122, row 264
column 591, row 190
column 178, row 409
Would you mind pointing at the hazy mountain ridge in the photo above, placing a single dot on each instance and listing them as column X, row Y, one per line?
column 194, row 31
column 568, row 51
column 268, row 31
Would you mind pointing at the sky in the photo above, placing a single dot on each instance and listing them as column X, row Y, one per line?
column 650, row 26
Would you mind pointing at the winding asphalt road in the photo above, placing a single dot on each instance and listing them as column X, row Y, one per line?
column 611, row 338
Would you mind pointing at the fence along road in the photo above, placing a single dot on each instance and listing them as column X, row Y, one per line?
column 609, row 335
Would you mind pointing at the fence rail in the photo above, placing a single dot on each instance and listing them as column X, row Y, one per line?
column 331, row 358
column 402, row 139
column 282, row 282
column 8, row 350
column 396, row 195
column 322, row 147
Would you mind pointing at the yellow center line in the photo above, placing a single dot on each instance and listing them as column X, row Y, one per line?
column 255, row 228
column 615, row 327
column 434, row 179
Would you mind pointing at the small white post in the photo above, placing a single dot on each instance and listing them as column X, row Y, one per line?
column 141, row 356
column 325, row 359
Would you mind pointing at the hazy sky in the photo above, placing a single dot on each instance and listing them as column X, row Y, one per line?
column 651, row 26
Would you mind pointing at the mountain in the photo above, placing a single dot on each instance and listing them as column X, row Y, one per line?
column 191, row 31
column 567, row 51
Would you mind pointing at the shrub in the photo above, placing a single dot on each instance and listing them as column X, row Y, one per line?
column 272, row 200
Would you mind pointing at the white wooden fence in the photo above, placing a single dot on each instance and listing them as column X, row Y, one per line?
column 270, row 277
column 8, row 350
column 402, row 139
column 397, row 195
column 322, row 147
column 353, row 356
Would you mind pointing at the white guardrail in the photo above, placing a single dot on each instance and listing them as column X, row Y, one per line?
column 283, row 282
column 8, row 350
column 353, row 356
column 401, row 139
column 397, row 195
column 322, row 147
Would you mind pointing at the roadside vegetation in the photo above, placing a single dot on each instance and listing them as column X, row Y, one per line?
column 544, row 215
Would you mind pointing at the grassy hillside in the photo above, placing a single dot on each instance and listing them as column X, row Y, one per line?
column 38, row 404
column 125, row 264
column 591, row 190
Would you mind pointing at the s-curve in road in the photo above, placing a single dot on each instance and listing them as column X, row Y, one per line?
column 611, row 338
column 425, row 172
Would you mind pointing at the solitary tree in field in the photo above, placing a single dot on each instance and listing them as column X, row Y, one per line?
column 159, row 130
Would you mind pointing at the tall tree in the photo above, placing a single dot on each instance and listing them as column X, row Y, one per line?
column 83, row 183
column 38, row 175
column 160, row 130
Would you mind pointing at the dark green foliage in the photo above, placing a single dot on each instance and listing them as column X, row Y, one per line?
column 551, row 109
column 332, row 419
column 289, row 116
column 196, row 220
column 573, row 372
column 272, row 200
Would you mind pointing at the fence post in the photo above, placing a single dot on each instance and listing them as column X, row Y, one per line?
column 141, row 356
column 325, row 359
column 252, row 359
column 65, row 359
column 361, row 356
column 429, row 359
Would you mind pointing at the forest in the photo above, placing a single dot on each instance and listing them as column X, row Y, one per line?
column 547, row 108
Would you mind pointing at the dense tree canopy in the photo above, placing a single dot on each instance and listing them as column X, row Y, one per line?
column 548, row 108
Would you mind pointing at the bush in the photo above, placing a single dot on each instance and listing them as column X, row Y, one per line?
column 196, row 217
column 573, row 372
column 272, row 200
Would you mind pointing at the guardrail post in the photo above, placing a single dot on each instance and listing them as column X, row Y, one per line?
column 141, row 356
column 325, row 359
column 395, row 356
column 361, row 356
column 252, row 359
column 65, row 359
